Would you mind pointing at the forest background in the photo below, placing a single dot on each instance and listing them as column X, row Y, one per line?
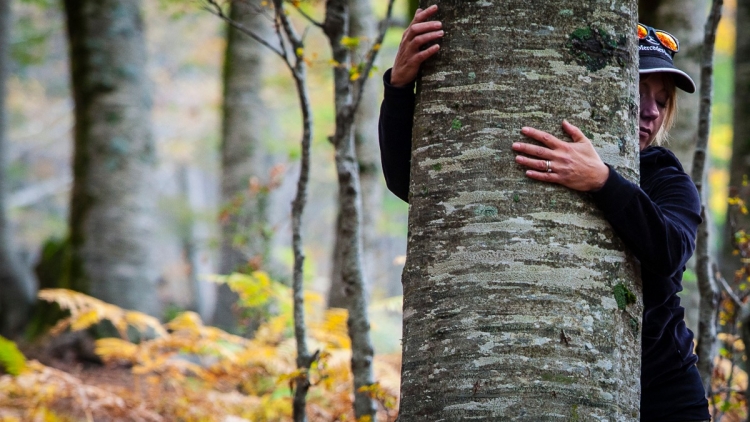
column 186, row 48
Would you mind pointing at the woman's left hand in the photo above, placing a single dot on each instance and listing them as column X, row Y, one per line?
column 572, row 164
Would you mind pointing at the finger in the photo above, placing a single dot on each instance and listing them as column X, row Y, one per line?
column 539, row 165
column 574, row 132
column 533, row 150
column 418, row 29
column 423, row 39
column 421, row 28
column 424, row 14
column 542, row 137
column 544, row 176
column 426, row 53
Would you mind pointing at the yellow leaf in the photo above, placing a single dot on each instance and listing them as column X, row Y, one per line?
column 350, row 42
column 376, row 47
column 299, row 52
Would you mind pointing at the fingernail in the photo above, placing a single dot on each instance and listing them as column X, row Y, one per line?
column 516, row 145
column 524, row 129
column 441, row 32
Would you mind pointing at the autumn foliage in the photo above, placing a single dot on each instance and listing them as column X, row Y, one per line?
column 187, row 371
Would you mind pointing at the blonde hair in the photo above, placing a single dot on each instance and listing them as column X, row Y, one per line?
column 670, row 111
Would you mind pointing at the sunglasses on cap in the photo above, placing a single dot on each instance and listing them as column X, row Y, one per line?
column 666, row 39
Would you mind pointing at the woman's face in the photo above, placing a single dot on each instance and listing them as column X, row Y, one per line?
column 654, row 96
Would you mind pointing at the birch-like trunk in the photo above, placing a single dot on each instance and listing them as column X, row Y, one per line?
column 684, row 19
column 336, row 26
column 112, row 227
column 510, row 285
column 16, row 285
column 243, row 234
column 363, row 24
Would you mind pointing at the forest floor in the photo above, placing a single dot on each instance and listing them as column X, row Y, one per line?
column 95, row 391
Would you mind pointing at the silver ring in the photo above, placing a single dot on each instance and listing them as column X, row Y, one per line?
column 549, row 166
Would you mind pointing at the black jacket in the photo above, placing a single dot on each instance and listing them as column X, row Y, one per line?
column 658, row 222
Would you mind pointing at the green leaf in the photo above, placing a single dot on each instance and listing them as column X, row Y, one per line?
column 11, row 359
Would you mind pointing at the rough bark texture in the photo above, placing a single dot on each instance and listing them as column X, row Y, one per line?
column 510, row 309
column 740, row 165
column 336, row 26
column 16, row 285
column 363, row 24
column 243, row 235
column 709, row 292
column 684, row 19
column 112, row 225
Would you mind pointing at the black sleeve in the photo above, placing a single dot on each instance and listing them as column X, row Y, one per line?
column 660, row 227
column 394, row 131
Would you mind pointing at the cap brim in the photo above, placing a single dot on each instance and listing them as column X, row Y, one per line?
column 681, row 79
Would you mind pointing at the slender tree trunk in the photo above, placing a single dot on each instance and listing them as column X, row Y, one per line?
column 112, row 227
column 363, row 25
column 243, row 235
column 16, row 284
column 709, row 291
column 684, row 19
column 188, row 238
column 336, row 26
column 510, row 285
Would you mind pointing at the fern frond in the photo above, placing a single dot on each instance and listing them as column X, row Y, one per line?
column 86, row 311
column 115, row 349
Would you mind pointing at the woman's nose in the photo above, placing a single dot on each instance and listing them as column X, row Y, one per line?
column 649, row 108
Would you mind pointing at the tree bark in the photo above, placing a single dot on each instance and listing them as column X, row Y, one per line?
column 16, row 283
column 244, row 234
column 738, row 169
column 510, row 284
column 112, row 226
column 684, row 19
column 709, row 291
column 363, row 25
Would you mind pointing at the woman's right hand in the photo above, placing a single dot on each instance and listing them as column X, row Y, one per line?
column 410, row 54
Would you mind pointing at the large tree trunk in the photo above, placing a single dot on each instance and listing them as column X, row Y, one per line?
column 16, row 285
column 112, row 218
column 740, row 167
column 244, row 233
column 685, row 19
column 510, row 284
column 363, row 24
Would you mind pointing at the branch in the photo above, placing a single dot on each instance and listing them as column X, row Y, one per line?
column 216, row 10
column 289, row 30
column 723, row 283
column 308, row 17
column 370, row 57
